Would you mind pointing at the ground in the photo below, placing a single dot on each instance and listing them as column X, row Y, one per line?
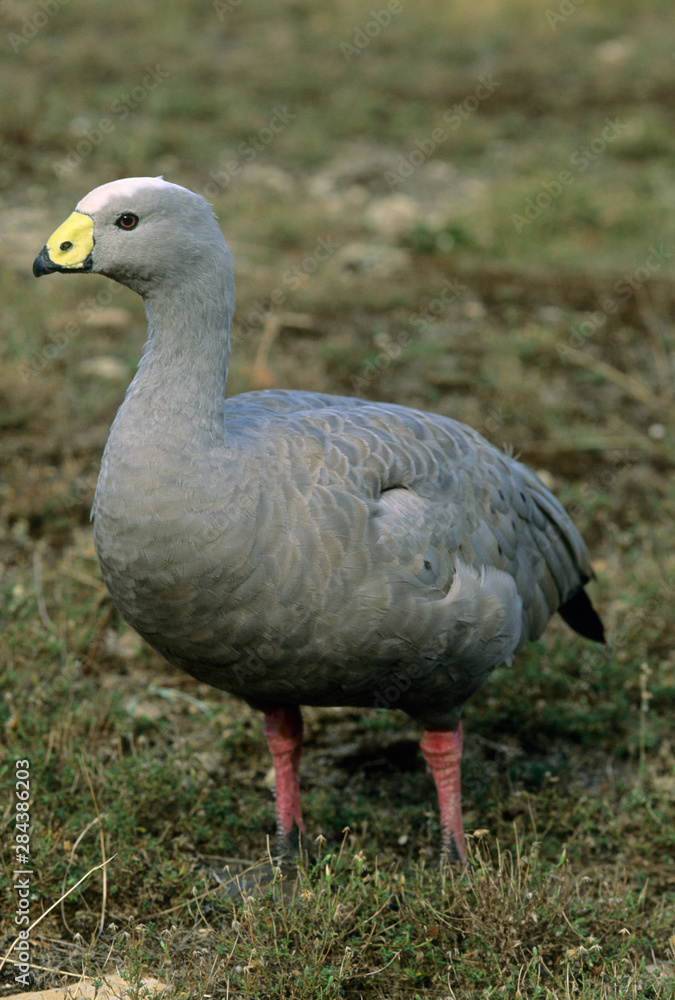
column 466, row 208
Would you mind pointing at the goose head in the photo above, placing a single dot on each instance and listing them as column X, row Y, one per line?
column 139, row 231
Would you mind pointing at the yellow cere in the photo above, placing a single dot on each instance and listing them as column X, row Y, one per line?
column 78, row 229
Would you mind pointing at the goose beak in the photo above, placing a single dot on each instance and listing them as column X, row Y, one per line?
column 69, row 248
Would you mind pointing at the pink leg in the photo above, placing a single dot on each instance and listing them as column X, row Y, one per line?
column 443, row 754
column 283, row 732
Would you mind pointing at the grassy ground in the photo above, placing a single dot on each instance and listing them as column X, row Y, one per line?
column 493, row 182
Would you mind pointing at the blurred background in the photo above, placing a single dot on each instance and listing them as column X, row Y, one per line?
column 466, row 207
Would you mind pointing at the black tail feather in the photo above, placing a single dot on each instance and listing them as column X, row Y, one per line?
column 580, row 615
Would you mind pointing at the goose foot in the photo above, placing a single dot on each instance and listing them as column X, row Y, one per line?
column 239, row 881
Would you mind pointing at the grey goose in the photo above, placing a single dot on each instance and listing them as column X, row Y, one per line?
column 296, row 548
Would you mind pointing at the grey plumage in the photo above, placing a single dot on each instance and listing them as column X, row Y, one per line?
column 319, row 545
column 297, row 548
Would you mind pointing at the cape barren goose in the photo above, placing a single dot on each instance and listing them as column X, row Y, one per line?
column 302, row 549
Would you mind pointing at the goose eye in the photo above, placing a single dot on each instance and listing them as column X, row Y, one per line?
column 127, row 221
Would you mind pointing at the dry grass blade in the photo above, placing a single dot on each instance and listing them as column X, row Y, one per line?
column 53, row 906
column 112, row 988
column 638, row 390
column 104, row 873
column 603, row 444
column 39, row 591
column 662, row 361
column 78, row 841
column 261, row 376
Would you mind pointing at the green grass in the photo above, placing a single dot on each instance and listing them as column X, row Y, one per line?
column 569, row 772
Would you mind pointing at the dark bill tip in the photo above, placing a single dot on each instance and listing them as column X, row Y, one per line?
column 43, row 264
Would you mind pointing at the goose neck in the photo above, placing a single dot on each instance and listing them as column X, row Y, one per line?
column 184, row 366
